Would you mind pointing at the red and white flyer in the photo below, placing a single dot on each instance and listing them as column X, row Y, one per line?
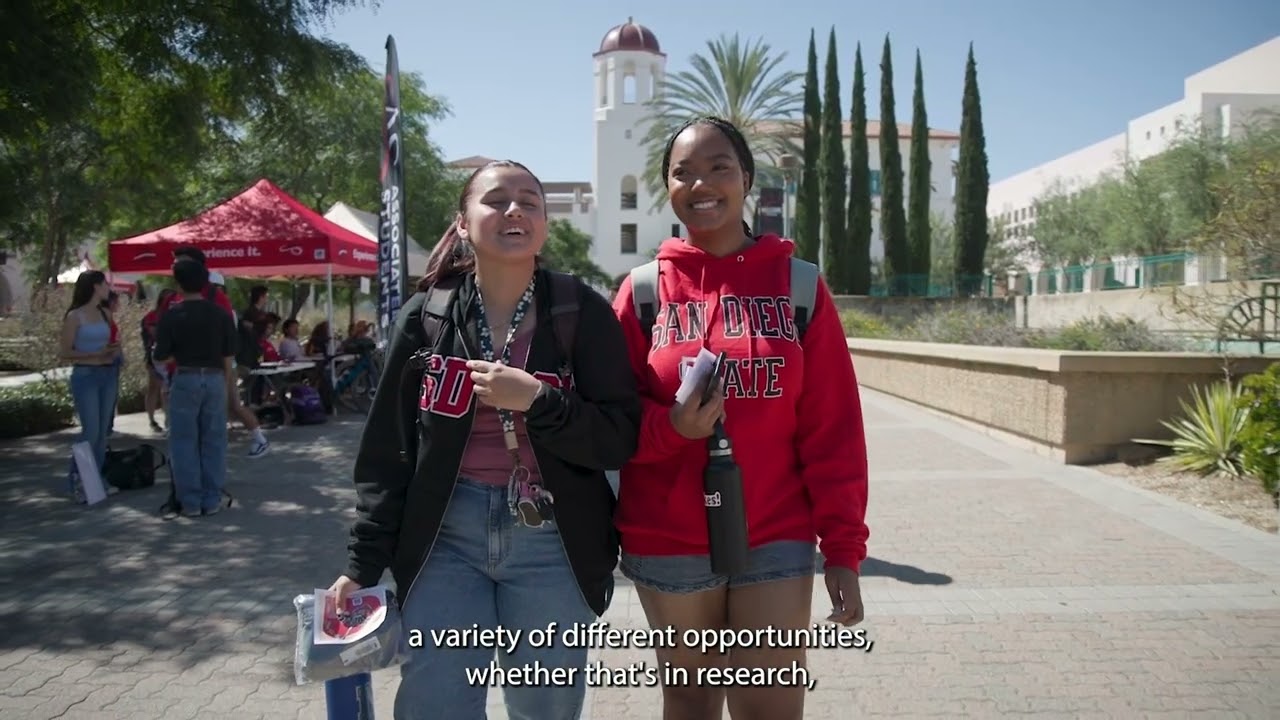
column 362, row 613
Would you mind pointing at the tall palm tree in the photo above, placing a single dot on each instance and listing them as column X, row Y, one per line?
column 740, row 82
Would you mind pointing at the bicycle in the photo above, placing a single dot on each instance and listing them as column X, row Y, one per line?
column 358, row 380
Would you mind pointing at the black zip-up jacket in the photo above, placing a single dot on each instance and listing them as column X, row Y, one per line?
column 576, row 435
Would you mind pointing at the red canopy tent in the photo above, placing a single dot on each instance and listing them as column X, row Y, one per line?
column 262, row 232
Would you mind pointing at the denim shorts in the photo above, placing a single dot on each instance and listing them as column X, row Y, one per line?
column 680, row 574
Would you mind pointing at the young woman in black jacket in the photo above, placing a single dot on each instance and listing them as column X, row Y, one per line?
column 481, row 471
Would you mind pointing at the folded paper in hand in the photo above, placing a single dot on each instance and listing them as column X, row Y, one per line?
column 695, row 374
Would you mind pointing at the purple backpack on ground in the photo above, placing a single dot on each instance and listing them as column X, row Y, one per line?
column 307, row 408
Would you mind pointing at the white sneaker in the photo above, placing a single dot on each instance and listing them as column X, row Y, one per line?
column 259, row 449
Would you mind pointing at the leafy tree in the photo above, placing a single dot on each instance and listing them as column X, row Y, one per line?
column 1003, row 255
column 809, row 193
column 220, row 60
column 568, row 249
column 973, row 181
column 918, row 234
column 858, row 224
column 322, row 146
column 1071, row 225
column 835, row 249
column 893, row 219
column 109, row 108
column 743, row 83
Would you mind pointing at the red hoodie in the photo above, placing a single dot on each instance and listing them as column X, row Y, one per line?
column 792, row 412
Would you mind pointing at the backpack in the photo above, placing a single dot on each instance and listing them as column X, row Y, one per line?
column 307, row 407
column 135, row 468
column 435, row 311
column 804, row 291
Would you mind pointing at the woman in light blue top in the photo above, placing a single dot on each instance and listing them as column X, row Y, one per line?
column 86, row 343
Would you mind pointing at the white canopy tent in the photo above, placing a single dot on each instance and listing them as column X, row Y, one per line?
column 365, row 224
column 118, row 281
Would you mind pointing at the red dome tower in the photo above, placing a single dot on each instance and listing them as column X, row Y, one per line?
column 630, row 36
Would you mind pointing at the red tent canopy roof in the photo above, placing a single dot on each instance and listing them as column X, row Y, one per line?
column 261, row 232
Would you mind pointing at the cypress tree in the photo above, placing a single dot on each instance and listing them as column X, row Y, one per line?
column 859, row 218
column 918, row 230
column 808, row 198
column 834, row 249
column 893, row 219
column 972, row 182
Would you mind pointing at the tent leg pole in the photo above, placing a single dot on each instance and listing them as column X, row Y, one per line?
column 333, row 379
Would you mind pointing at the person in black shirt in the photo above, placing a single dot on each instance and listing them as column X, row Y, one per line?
column 201, row 339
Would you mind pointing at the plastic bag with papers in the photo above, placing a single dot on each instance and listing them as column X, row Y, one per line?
column 365, row 635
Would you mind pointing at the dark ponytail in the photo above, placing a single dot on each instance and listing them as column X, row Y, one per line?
column 451, row 256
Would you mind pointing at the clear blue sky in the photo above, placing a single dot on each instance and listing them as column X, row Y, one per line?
column 1054, row 76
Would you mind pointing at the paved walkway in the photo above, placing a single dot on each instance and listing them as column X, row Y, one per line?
column 999, row 584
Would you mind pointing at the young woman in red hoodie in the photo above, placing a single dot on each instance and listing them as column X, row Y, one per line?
column 791, row 408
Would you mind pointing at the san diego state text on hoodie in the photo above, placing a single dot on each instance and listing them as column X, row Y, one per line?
column 792, row 412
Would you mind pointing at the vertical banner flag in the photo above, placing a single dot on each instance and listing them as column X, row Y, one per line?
column 392, row 239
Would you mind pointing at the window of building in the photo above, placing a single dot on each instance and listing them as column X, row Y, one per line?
column 629, row 88
column 628, row 244
column 675, row 230
column 875, row 183
column 630, row 192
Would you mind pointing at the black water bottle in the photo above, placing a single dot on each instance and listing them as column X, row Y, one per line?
column 726, row 509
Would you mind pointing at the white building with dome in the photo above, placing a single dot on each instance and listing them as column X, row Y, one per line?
column 614, row 207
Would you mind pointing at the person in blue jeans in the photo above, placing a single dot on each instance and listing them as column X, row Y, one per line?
column 86, row 343
column 480, row 476
column 200, row 338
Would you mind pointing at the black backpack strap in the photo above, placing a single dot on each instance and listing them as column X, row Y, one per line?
column 435, row 311
column 564, row 318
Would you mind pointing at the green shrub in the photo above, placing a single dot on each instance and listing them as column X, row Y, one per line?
column 1260, row 438
column 36, row 407
column 858, row 324
column 1207, row 438
column 966, row 325
column 1106, row 334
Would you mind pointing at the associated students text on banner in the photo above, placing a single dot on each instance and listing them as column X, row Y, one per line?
column 392, row 240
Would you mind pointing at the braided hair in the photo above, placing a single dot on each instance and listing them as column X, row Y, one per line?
column 731, row 132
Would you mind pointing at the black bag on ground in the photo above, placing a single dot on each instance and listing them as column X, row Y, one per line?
column 135, row 468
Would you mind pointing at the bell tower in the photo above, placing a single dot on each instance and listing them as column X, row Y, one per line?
column 629, row 70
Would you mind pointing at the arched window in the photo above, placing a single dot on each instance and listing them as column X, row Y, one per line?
column 629, row 192
column 629, row 84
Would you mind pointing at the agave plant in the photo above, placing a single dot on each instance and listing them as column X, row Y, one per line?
column 1207, row 436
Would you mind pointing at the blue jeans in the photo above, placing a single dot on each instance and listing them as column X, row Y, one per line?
column 681, row 574
column 487, row 570
column 198, row 437
column 93, row 390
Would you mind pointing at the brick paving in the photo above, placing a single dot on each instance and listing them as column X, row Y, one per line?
column 999, row 584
